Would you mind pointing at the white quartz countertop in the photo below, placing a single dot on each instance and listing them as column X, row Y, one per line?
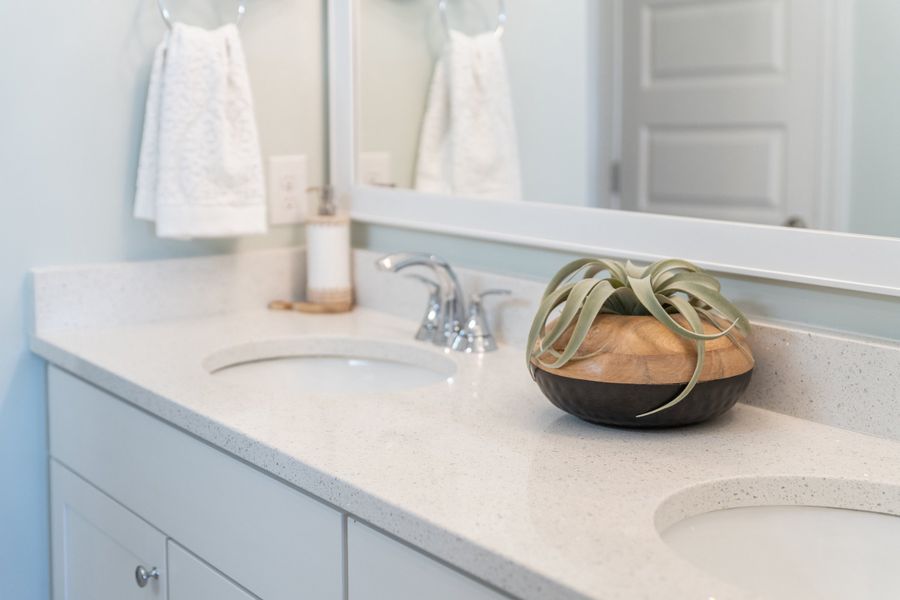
column 483, row 472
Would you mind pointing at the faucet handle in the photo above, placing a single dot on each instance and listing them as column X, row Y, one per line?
column 431, row 322
column 476, row 336
column 478, row 298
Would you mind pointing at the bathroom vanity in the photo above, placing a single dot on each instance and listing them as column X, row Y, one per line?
column 175, row 477
column 152, row 508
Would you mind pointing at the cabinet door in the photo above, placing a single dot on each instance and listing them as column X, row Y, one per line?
column 192, row 579
column 380, row 568
column 98, row 545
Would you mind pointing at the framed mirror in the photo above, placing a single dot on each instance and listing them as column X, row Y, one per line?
column 752, row 137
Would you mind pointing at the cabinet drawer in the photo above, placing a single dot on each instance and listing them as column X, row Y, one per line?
column 270, row 538
column 380, row 568
column 192, row 579
column 98, row 545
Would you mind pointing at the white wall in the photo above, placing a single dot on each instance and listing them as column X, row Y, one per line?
column 555, row 67
column 72, row 83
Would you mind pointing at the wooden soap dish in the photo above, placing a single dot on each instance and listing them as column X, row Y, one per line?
column 312, row 308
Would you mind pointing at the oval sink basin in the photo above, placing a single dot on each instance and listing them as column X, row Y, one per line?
column 795, row 552
column 330, row 366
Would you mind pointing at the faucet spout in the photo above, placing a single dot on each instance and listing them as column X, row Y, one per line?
column 453, row 306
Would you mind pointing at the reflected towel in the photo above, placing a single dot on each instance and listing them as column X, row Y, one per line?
column 468, row 144
column 200, row 172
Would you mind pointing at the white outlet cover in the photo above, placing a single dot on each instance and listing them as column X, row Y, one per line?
column 288, row 183
column 375, row 168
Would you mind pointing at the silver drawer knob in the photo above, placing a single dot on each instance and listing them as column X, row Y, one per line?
column 142, row 576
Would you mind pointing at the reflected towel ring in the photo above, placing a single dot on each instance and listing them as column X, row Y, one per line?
column 502, row 17
column 167, row 16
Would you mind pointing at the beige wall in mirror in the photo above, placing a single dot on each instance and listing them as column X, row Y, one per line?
column 778, row 112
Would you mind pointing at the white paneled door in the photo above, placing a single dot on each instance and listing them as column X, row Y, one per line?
column 723, row 107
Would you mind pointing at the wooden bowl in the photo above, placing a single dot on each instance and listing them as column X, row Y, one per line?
column 637, row 365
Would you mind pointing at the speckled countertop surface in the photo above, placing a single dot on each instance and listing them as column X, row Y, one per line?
column 482, row 472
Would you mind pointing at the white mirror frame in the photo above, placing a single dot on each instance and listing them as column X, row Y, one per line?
column 862, row 263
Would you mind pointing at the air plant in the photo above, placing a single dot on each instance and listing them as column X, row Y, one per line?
column 589, row 287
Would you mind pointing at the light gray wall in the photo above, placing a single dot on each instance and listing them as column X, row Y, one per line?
column 875, row 187
column 72, row 83
column 395, row 64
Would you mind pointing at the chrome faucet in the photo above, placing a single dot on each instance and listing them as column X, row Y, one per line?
column 475, row 336
column 448, row 322
column 431, row 322
column 453, row 306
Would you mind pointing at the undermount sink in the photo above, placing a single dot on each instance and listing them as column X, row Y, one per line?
column 330, row 365
column 795, row 552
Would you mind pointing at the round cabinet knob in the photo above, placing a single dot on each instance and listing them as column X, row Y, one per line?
column 143, row 576
column 796, row 221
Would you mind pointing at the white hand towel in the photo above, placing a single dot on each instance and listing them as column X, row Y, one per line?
column 468, row 144
column 200, row 172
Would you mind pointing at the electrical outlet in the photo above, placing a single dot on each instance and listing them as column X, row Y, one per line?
column 375, row 169
column 288, row 200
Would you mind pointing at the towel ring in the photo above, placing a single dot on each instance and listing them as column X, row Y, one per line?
column 167, row 16
column 502, row 17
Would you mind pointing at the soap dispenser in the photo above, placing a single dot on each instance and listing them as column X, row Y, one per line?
column 329, row 281
column 329, row 284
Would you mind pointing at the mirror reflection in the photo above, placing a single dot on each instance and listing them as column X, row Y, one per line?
column 780, row 112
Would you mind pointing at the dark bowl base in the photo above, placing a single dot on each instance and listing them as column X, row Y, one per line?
column 618, row 404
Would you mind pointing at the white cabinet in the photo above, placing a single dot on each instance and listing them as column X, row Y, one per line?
column 192, row 579
column 273, row 540
column 380, row 568
column 98, row 545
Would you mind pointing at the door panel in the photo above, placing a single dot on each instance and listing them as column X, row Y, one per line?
column 722, row 108
column 742, row 169
column 380, row 568
column 727, row 38
column 192, row 579
column 98, row 544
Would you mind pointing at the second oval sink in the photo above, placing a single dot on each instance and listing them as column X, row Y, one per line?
column 795, row 552
column 326, row 365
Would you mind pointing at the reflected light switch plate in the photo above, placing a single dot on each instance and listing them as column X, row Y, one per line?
column 375, row 168
column 288, row 200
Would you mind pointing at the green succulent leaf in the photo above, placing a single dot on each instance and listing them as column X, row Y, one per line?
column 661, row 268
column 632, row 270
column 693, row 318
column 729, row 333
column 566, row 272
column 570, row 311
column 716, row 301
column 551, row 300
column 643, row 288
column 667, row 282
column 615, row 268
column 589, row 311
column 591, row 267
